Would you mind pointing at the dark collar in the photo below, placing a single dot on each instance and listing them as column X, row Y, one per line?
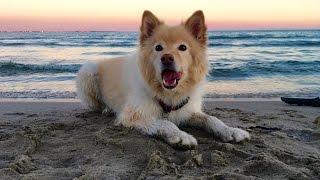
column 167, row 108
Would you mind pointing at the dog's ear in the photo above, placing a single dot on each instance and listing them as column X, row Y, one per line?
column 149, row 23
column 196, row 25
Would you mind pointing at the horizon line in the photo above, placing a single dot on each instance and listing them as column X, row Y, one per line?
column 210, row 30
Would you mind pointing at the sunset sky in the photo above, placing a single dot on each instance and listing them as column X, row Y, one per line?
column 125, row 15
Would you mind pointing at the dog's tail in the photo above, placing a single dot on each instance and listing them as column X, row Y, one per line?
column 88, row 86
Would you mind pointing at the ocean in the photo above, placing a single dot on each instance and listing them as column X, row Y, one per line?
column 245, row 64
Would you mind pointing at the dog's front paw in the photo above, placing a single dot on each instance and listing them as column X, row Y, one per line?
column 235, row 135
column 182, row 140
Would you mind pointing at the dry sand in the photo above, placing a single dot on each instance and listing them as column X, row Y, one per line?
column 61, row 140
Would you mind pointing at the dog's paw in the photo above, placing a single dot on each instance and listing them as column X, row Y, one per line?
column 182, row 140
column 235, row 135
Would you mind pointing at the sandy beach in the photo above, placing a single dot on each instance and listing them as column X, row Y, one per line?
column 61, row 140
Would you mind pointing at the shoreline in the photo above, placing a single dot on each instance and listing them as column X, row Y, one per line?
column 78, row 100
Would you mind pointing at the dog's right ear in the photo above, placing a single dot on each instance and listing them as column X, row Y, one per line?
column 149, row 23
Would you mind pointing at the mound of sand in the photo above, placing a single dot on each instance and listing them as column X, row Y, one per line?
column 60, row 140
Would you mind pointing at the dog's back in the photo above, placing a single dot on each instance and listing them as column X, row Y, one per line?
column 106, row 85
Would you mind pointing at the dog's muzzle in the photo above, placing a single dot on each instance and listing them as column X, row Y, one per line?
column 169, row 73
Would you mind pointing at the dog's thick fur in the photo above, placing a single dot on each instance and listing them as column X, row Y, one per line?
column 132, row 86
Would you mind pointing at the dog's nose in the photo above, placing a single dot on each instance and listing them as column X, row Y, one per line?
column 167, row 59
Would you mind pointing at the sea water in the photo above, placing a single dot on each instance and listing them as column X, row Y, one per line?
column 244, row 64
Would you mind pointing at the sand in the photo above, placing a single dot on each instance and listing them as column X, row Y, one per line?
column 61, row 140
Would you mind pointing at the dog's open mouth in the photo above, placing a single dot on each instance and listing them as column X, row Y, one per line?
column 170, row 78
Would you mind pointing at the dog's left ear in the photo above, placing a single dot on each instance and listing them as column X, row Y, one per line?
column 196, row 25
column 148, row 25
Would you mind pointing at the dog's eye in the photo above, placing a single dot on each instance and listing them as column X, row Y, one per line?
column 182, row 47
column 158, row 48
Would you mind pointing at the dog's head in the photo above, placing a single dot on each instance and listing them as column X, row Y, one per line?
column 172, row 58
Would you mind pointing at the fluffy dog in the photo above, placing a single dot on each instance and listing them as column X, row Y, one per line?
column 160, row 86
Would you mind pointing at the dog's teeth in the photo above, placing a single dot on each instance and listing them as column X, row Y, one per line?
column 174, row 82
column 164, row 82
column 168, row 84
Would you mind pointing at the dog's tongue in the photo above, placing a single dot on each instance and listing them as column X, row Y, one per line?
column 170, row 76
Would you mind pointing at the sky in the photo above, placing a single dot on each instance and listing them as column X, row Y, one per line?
column 125, row 15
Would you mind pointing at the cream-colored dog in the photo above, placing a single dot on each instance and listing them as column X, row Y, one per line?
column 160, row 86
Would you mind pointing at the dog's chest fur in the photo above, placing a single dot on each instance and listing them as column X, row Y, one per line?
column 121, row 84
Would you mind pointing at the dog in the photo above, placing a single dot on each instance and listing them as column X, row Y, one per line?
column 159, row 87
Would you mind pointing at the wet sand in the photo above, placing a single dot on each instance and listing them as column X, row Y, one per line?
column 61, row 140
